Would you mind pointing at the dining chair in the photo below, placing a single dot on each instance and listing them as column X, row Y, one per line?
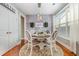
column 29, row 37
column 53, row 38
column 50, row 44
column 52, row 41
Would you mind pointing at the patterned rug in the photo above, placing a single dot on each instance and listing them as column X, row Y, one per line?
column 25, row 51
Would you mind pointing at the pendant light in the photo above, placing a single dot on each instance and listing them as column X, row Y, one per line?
column 39, row 17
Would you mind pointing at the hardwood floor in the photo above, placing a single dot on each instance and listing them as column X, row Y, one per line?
column 67, row 52
column 15, row 51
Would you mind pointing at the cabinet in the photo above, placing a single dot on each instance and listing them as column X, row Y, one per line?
column 8, row 29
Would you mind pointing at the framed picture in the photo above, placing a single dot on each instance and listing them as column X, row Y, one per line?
column 39, row 24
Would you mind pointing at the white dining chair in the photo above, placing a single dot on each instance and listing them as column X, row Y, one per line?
column 53, row 38
column 29, row 37
column 50, row 44
column 52, row 41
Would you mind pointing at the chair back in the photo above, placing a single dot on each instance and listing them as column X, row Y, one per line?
column 28, row 35
column 54, row 35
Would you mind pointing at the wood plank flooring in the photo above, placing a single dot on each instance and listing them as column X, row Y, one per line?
column 67, row 52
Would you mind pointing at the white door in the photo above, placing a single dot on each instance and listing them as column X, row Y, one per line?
column 3, row 30
column 13, row 29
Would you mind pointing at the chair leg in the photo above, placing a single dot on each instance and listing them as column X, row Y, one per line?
column 51, row 49
column 55, row 46
column 31, row 49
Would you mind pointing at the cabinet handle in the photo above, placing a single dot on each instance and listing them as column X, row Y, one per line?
column 8, row 32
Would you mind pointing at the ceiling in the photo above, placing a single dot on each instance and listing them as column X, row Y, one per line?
column 45, row 9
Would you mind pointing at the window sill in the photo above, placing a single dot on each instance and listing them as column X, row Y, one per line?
column 67, row 38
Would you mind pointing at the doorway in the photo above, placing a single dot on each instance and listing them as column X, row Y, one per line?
column 22, row 27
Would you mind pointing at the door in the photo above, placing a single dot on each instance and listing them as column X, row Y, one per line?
column 13, row 29
column 8, row 29
column 3, row 30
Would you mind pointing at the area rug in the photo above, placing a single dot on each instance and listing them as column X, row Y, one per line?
column 25, row 51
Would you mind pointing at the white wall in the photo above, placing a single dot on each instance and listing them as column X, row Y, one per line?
column 45, row 18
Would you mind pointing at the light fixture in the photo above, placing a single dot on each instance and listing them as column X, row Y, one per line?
column 39, row 17
column 53, row 3
column 39, row 5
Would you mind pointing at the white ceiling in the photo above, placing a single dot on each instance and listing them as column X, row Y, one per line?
column 32, row 8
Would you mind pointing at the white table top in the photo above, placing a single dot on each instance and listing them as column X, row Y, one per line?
column 44, row 35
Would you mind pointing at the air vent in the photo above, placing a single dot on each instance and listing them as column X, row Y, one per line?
column 53, row 3
column 39, row 5
column 8, row 7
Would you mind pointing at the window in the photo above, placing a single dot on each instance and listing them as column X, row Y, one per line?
column 63, row 20
column 39, row 25
column 68, row 22
column 62, row 26
column 64, row 23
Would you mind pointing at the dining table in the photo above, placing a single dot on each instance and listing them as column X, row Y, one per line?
column 41, row 35
column 36, row 51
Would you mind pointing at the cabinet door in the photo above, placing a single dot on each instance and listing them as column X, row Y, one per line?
column 3, row 30
column 13, row 29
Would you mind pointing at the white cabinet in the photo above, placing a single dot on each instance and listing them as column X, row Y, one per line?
column 3, row 29
column 13, row 29
column 8, row 29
